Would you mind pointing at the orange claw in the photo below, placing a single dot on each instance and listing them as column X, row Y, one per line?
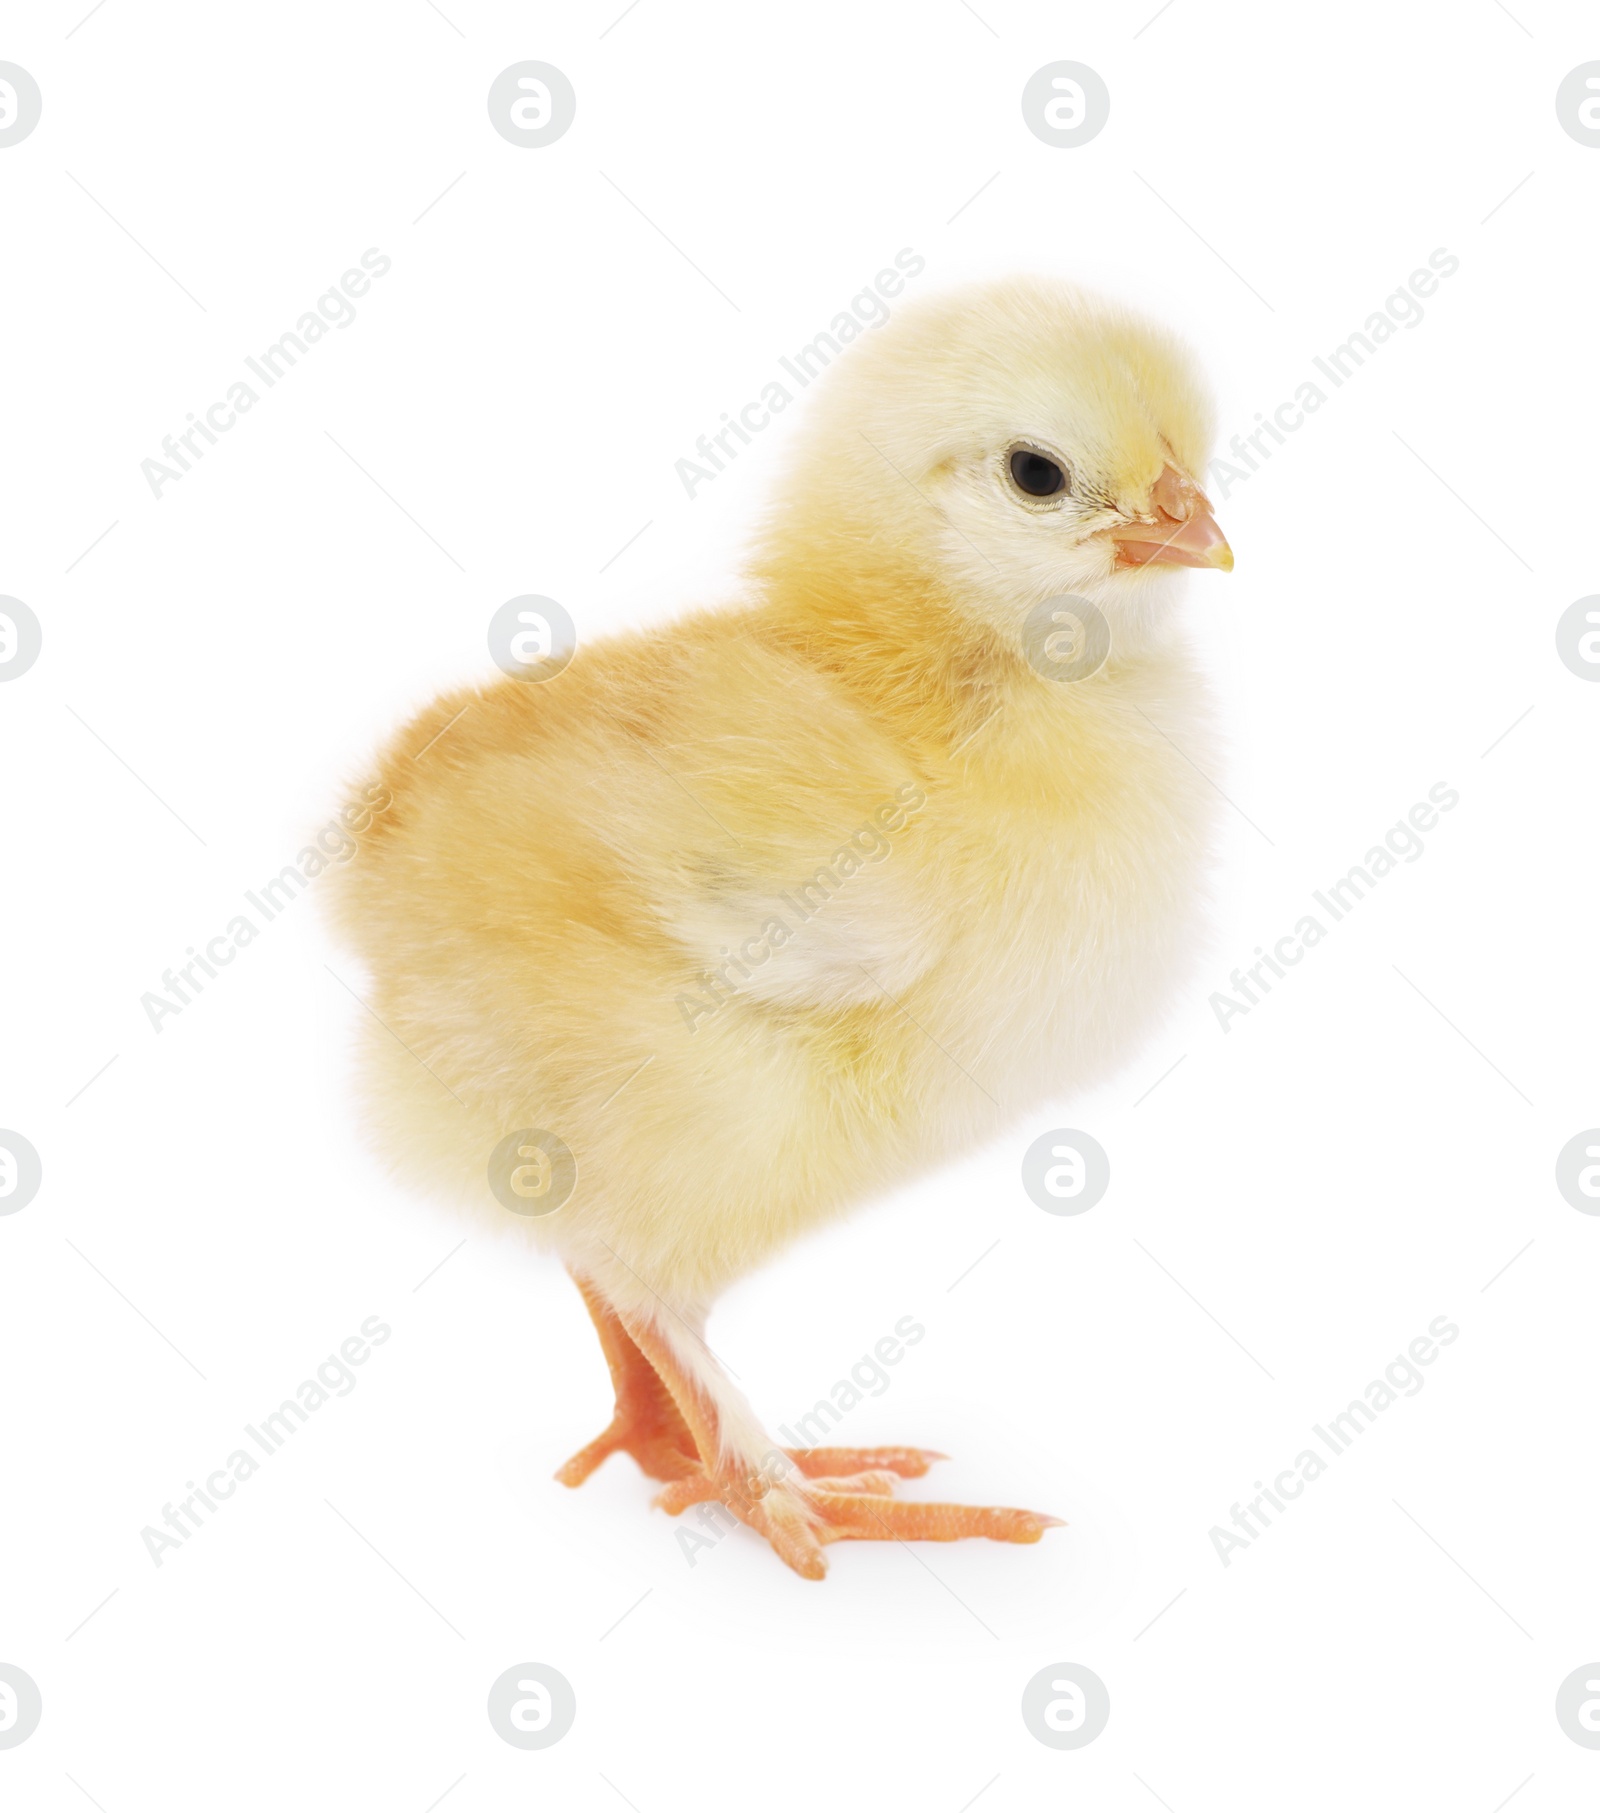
column 849, row 1517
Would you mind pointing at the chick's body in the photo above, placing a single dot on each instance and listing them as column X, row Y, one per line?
column 764, row 911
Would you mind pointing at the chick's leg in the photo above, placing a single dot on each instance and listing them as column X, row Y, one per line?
column 646, row 1422
column 801, row 1502
column 735, row 1468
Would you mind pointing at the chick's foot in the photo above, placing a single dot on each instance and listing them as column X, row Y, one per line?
column 653, row 1441
column 681, row 1419
column 774, row 1511
column 799, row 1518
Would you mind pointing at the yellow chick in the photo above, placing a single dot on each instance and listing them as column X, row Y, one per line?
column 732, row 924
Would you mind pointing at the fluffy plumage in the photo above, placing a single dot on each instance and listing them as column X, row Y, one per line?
column 1013, row 864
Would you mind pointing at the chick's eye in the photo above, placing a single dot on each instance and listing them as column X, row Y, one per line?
column 1034, row 474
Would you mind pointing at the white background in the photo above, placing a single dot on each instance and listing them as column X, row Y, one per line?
column 1326, row 1177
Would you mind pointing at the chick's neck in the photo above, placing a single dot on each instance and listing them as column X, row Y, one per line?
column 887, row 632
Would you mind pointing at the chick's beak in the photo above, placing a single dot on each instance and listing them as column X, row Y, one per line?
column 1184, row 533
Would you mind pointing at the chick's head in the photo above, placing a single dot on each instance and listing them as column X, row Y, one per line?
column 1016, row 442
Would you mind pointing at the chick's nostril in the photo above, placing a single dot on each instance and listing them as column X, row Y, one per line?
column 1174, row 494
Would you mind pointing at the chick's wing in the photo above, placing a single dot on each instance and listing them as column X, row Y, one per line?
column 798, row 880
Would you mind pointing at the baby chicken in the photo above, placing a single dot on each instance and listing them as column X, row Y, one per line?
column 744, row 920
